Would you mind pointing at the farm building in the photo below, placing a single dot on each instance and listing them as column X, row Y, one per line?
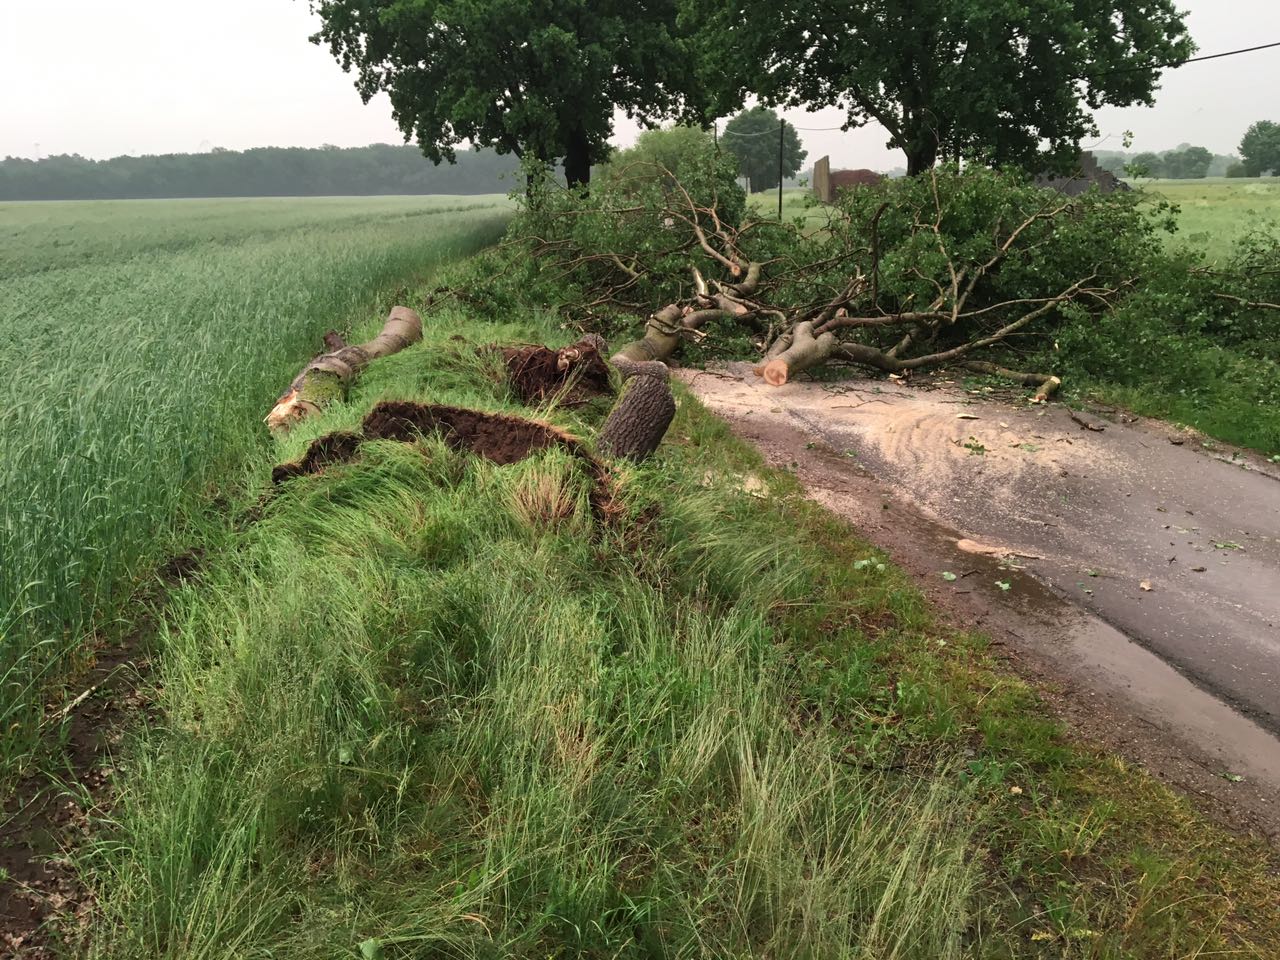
column 827, row 182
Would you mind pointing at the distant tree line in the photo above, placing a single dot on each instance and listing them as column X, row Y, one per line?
column 261, row 172
column 1259, row 157
column 1183, row 162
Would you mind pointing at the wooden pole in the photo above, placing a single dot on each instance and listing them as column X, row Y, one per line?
column 782, row 129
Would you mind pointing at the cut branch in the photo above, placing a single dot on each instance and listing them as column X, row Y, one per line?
column 1045, row 383
column 804, row 351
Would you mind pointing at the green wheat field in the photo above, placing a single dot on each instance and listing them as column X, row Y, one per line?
column 141, row 342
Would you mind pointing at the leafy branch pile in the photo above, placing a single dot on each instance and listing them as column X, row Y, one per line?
column 978, row 269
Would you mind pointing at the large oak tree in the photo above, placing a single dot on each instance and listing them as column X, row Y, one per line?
column 1001, row 81
column 538, row 79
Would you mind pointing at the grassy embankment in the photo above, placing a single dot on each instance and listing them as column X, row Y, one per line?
column 141, row 342
column 423, row 706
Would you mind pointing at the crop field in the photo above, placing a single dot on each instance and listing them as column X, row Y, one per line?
column 138, row 339
column 1212, row 213
column 1215, row 212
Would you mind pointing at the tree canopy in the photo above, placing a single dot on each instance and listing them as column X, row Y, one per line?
column 752, row 138
column 539, row 80
column 1260, row 149
column 999, row 81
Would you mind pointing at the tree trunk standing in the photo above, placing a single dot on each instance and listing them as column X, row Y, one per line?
column 577, row 159
column 921, row 155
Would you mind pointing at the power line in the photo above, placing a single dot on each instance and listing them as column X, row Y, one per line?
column 1179, row 63
column 771, row 131
column 1229, row 53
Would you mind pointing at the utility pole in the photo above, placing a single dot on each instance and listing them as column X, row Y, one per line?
column 782, row 129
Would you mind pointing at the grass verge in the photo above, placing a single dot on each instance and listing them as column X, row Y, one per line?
column 423, row 706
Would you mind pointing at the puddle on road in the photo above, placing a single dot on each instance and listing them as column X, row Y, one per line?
column 1167, row 699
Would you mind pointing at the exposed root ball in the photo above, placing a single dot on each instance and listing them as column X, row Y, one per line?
column 496, row 436
column 572, row 374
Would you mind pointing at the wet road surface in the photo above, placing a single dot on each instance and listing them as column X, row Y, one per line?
column 1146, row 563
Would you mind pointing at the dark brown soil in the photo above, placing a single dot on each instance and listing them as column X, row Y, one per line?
column 498, row 437
column 340, row 447
column 571, row 375
column 182, row 566
column 43, row 904
column 495, row 436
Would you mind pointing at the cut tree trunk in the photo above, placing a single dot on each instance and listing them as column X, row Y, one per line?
column 661, row 337
column 665, row 329
column 802, row 351
column 328, row 377
column 644, row 410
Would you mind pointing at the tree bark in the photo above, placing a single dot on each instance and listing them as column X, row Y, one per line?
column 644, row 411
column 577, row 159
column 664, row 330
column 921, row 156
column 327, row 378
column 661, row 337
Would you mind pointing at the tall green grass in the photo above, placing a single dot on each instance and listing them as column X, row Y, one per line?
column 424, row 706
column 141, row 343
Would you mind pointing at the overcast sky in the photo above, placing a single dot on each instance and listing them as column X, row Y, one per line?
column 157, row 76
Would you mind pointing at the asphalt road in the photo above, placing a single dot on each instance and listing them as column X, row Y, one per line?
column 1166, row 544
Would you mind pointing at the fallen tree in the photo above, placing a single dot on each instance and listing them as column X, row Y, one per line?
column 955, row 269
column 569, row 375
column 328, row 376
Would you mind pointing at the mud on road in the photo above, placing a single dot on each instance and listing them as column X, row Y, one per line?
column 1142, row 562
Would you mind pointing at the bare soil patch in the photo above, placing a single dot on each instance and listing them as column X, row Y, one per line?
column 494, row 436
column 43, row 905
